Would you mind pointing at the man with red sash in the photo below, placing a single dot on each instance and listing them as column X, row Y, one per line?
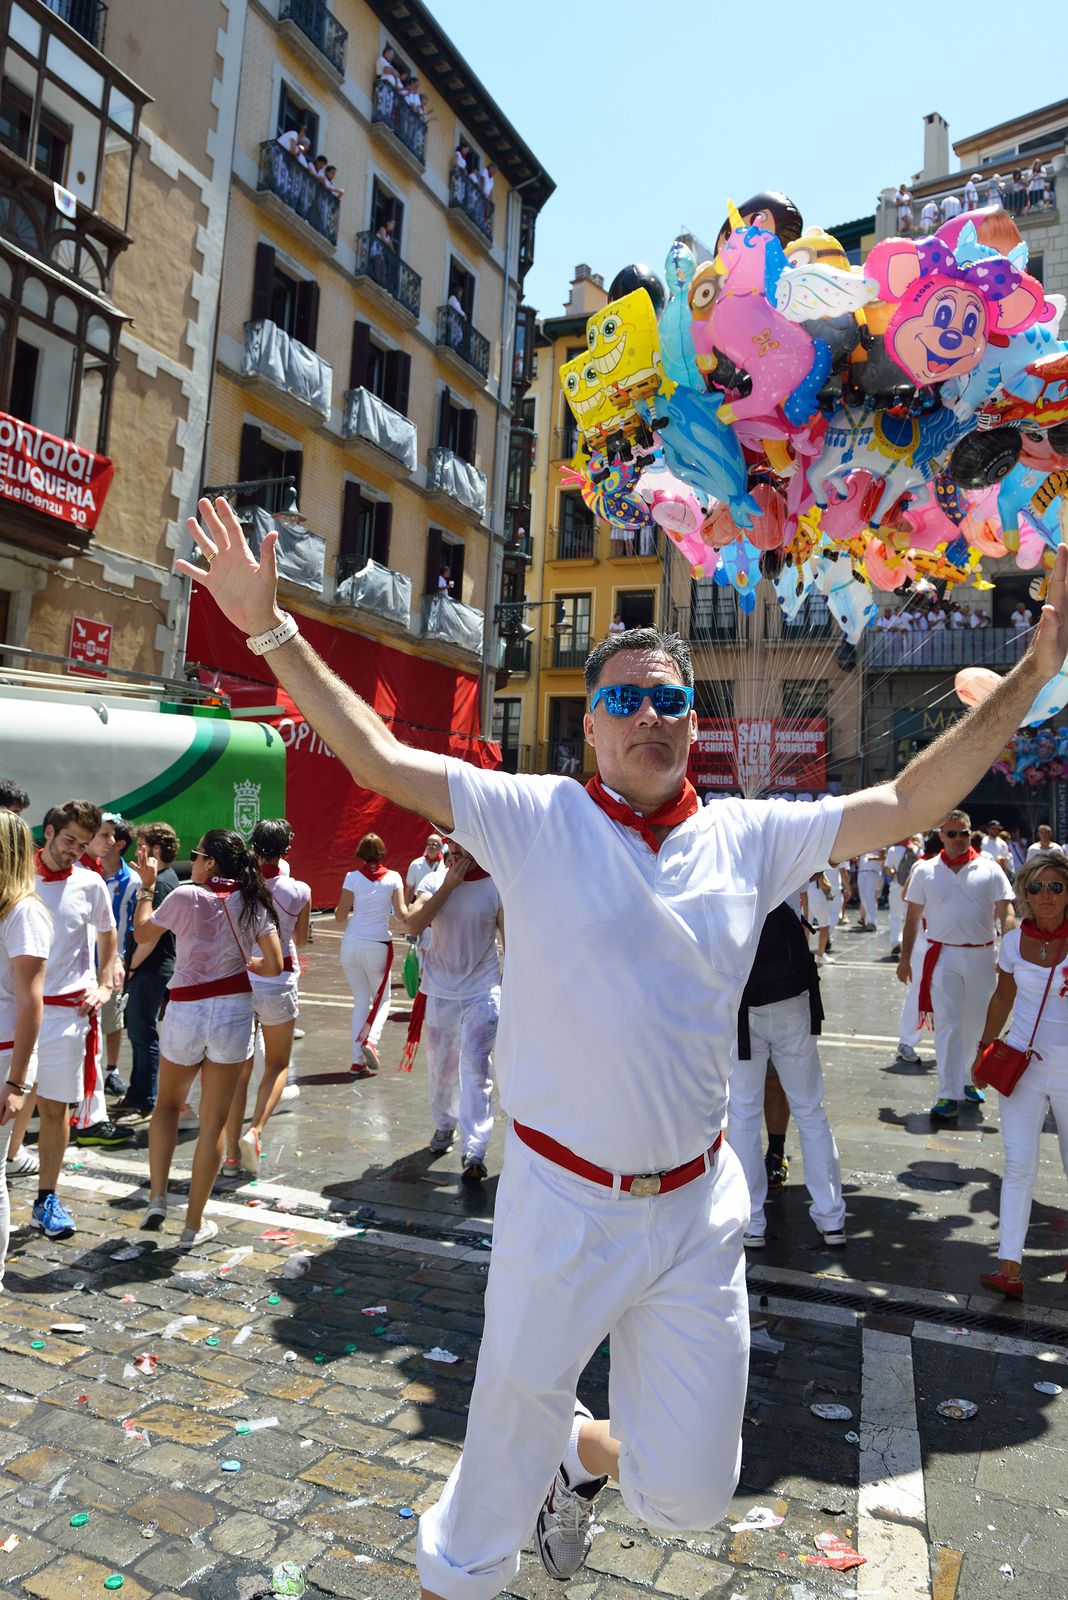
column 633, row 915
column 960, row 895
column 83, row 946
column 460, row 988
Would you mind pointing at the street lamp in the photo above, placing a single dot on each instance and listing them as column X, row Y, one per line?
column 229, row 491
column 509, row 617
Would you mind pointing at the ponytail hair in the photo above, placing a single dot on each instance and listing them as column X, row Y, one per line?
column 18, row 879
column 234, row 860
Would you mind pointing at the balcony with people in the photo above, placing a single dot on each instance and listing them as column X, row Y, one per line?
column 317, row 33
column 945, row 636
column 399, row 109
column 575, row 536
column 451, row 622
column 378, row 260
column 290, row 184
column 471, row 185
column 458, row 337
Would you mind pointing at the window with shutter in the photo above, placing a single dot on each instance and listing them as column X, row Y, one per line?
column 263, row 282
column 433, row 560
column 361, row 350
column 383, row 518
column 357, row 530
column 467, row 435
column 307, row 320
column 444, row 419
column 397, row 376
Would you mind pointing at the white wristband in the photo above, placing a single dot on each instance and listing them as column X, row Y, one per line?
column 261, row 643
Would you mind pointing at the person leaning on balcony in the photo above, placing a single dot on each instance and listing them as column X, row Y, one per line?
column 971, row 192
column 994, row 196
column 386, row 68
column 295, row 142
column 958, row 617
column 1021, row 617
column 455, row 304
column 329, row 177
column 413, row 97
column 930, row 216
column 485, row 180
column 903, row 201
column 384, row 234
column 1036, row 187
column 936, row 616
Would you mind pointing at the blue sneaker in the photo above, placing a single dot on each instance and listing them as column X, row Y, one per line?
column 974, row 1096
column 53, row 1218
column 943, row 1110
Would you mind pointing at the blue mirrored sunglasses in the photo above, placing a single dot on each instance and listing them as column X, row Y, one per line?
column 625, row 699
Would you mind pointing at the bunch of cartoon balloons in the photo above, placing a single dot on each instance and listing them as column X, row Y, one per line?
column 782, row 412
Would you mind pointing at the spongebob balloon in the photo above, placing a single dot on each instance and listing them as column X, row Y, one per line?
column 619, row 369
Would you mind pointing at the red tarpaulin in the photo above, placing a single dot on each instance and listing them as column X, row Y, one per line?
column 428, row 705
column 757, row 753
column 50, row 474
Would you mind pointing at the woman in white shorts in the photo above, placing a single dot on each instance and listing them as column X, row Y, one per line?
column 368, row 896
column 217, row 919
column 25, row 940
column 274, row 1000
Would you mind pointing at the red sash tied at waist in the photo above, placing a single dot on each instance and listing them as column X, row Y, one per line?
column 287, row 964
column 73, row 1002
column 930, row 961
column 640, row 1184
column 236, row 983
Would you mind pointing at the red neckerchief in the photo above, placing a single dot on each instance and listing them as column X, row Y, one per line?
column 669, row 815
column 376, row 872
column 269, row 871
column 220, row 885
column 91, row 864
column 49, row 874
column 959, row 861
column 1033, row 932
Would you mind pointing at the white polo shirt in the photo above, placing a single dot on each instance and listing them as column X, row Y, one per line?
column 461, row 958
column 625, row 968
column 958, row 907
column 423, row 876
column 25, row 931
column 80, row 908
column 372, row 901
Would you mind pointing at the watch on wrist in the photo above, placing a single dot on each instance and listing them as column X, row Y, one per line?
column 281, row 633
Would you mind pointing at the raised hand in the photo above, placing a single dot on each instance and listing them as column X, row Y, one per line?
column 244, row 589
column 1049, row 643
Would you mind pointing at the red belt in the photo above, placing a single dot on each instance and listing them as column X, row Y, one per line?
column 287, row 964
column 72, row 1001
column 641, row 1184
column 6, row 1044
column 237, row 983
column 930, row 961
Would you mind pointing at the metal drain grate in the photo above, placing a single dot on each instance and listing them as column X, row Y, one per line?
column 986, row 1322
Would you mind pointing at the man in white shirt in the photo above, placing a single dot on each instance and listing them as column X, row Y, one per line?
column 959, row 617
column 109, row 846
column 462, row 983
column 936, row 618
column 971, row 192
column 1043, row 841
column 295, row 142
column 613, row 1060
column 869, row 882
column 951, row 207
column 930, row 217
column 960, row 894
column 898, row 862
column 428, row 865
column 76, row 986
column 997, row 848
column 976, row 618
column 885, row 624
column 1021, row 617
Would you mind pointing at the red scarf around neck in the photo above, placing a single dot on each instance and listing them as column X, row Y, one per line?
column 269, row 870
column 959, row 861
column 49, row 874
column 474, row 871
column 90, row 863
column 1049, row 936
column 373, row 870
column 669, row 815
column 220, row 885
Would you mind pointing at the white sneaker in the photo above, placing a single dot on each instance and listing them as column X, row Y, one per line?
column 836, row 1239
column 190, row 1239
column 156, row 1215
column 563, row 1528
column 827, row 957
column 249, row 1145
column 187, row 1118
column 290, row 1092
column 24, row 1164
column 753, row 1241
column 905, row 1052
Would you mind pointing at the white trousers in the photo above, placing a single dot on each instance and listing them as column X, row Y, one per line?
column 897, row 912
column 910, row 1031
column 961, row 986
column 572, row 1261
column 779, row 1034
column 459, row 1037
column 364, row 963
column 1044, row 1084
column 868, row 882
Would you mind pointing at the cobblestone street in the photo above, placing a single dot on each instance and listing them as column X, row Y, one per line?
column 306, row 1418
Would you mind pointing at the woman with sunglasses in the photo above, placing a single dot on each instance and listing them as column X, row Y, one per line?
column 218, row 920
column 1027, row 955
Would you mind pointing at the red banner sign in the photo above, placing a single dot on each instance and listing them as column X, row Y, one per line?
column 90, row 643
column 52, row 475
column 760, row 753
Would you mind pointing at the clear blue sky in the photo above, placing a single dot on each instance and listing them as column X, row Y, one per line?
column 648, row 115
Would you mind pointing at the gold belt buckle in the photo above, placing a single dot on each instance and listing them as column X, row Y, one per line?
column 645, row 1184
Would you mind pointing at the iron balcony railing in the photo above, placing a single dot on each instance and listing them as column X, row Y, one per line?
column 515, row 654
column 283, row 175
column 318, row 23
column 381, row 263
column 711, row 623
column 390, row 109
column 456, row 333
column 87, row 17
column 943, row 648
column 521, row 545
column 465, row 193
column 812, row 624
column 574, row 541
column 566, row 440
column 346, row 565
column 569, row 650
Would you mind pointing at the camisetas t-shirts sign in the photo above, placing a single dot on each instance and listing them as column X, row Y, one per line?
column 51, row 475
